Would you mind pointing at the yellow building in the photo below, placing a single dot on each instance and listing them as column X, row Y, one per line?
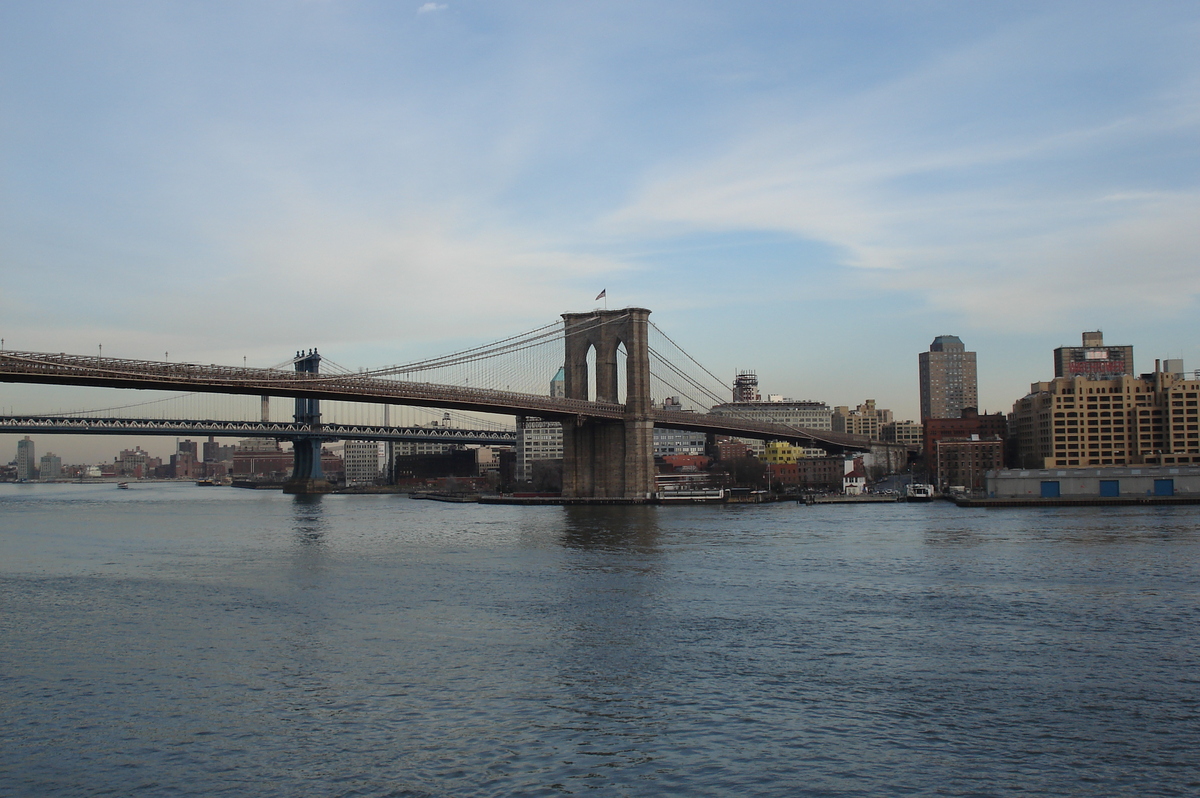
column 782, row 453
column 1149, row 420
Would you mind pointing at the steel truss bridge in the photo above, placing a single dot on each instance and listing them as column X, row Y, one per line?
column 281, row 430
column 109, row 372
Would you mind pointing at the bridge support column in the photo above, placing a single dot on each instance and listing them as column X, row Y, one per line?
column 307, row 476
column 607, row 459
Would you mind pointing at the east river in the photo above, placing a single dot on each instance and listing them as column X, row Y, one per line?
column 187, row 641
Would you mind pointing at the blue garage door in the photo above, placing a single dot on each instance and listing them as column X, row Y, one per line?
column 1050, row 490
column 1164, row 487
column 1110, row 487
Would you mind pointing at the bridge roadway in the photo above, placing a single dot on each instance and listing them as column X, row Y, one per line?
column 283, row 430
column 108, row 372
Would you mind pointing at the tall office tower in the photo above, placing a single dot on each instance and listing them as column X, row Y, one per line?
column 1093, row 360
column 948, row 382
column 26, row 465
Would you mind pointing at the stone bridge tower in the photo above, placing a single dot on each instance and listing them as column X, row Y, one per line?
column 307, row 476
column 602, row 458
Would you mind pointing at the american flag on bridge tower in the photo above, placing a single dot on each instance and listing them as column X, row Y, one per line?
column 602, row 294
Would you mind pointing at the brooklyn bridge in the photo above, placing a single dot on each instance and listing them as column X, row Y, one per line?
column 613, row 364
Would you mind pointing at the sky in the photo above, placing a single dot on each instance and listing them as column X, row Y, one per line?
column 810, row 190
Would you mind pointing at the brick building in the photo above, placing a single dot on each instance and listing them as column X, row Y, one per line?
column 963, row 428
column 966, row 463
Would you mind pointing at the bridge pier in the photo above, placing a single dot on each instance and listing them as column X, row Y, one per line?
column 307, row 476
column 609, row 459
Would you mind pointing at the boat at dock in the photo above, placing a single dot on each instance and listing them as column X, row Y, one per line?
column 919, row 492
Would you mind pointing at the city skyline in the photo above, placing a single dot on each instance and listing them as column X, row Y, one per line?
column 92, row 449
column 811, row 192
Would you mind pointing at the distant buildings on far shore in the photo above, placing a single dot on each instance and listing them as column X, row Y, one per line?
column 1096, row 412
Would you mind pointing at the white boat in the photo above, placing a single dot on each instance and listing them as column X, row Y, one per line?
column 701, row 495
column 919, row 492
column 123, row 485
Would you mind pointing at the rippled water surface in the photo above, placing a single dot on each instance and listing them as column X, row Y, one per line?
column 176, row 640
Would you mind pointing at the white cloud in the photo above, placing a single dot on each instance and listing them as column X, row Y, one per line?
column 1007, row 221
column 430, row 7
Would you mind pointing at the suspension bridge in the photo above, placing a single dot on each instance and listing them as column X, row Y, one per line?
column 608, row 413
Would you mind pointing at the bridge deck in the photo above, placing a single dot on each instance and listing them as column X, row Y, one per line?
column 65, row 369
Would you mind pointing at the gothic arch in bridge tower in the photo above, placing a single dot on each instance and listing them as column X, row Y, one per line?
column 609, row 458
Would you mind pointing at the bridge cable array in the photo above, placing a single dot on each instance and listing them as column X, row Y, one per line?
column 525, row 363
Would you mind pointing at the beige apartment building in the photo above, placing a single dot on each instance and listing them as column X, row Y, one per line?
column 909, row 433
column 866, row 420
column 1147, row 420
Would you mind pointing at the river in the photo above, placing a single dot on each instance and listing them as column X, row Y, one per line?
column 186, row 641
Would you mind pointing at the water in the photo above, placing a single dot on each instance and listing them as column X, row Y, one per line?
column 176, row 640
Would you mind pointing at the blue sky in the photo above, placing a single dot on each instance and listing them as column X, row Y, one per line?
column 811, row 190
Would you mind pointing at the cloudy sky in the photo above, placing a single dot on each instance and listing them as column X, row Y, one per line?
column 811, row 190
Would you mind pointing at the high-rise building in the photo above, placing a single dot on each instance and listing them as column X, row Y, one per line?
column 26, row 464
column 360, row 459
column 1112, row 421
column 1094, row 360
column 51, row 466
column 948, row 379
column 537, row 440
